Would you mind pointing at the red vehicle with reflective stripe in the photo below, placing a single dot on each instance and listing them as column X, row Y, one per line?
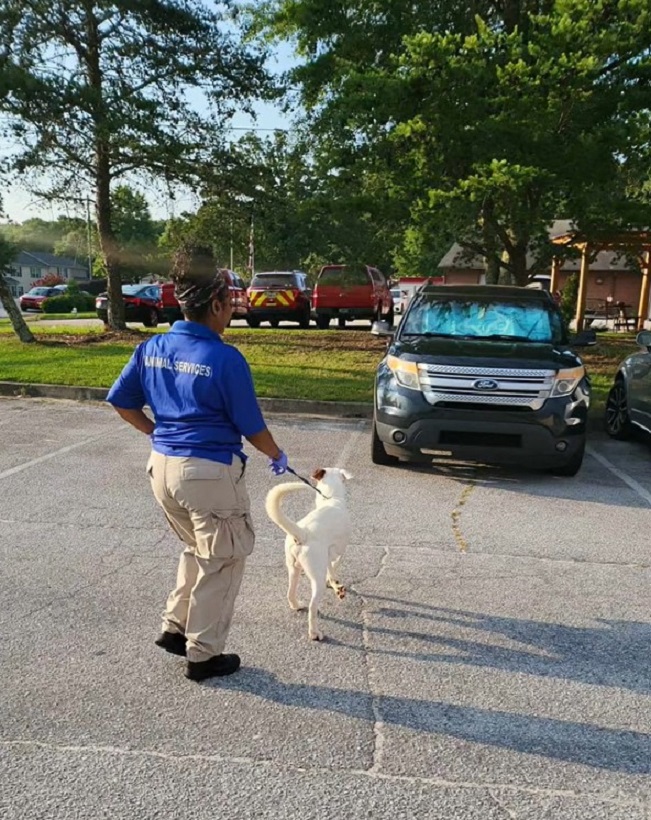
column 276, row 296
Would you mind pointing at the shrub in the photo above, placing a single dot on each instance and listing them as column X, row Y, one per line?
column 65, row 303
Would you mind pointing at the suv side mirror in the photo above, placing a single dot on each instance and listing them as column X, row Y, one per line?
column 382, row 329
column 643, row 339
column 586, row 338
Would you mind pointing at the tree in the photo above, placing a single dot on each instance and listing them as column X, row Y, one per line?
column 34, row 235
column 484, row 119
column 136, row 234
column 7, row 254
column 132, row 220
column 97, row 91
column 303, row 216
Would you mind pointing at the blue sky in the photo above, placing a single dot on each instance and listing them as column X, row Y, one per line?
column 20, row 205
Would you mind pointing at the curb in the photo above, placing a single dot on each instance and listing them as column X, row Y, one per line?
column 294, row 407
column 328, row 409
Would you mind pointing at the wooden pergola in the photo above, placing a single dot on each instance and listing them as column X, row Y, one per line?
column 637, row 242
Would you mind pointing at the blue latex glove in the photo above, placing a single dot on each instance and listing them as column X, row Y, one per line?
column 278, row 466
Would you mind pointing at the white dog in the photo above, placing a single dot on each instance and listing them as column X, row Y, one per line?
column 316, row 543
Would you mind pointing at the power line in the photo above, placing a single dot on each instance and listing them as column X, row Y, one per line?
column 238, row 128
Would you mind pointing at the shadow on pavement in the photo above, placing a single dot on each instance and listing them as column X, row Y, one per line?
column 593, row 484
column 617, row 654
column 588, row 745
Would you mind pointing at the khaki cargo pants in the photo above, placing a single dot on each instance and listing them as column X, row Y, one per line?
column 207, row 506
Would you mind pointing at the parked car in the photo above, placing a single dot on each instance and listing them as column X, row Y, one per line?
column 481, row 373
column 34, row 298
column 142, row 303
column 628, row 406
column 278, row 296
column 348, row 292
column 239, row 298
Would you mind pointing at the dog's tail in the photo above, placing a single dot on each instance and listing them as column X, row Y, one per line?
column 274, row 511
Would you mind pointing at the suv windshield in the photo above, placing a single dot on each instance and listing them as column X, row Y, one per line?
column 38, row 292
column 268, row 280
column 349, row 275
column 479, row 319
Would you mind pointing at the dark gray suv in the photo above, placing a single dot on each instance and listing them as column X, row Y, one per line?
column 628, row 406
column 485, row 374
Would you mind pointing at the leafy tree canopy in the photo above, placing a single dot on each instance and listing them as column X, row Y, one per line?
column 484, row 121
column 93, row 92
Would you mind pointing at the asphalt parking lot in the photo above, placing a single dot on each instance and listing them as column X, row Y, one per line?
column 491, row 660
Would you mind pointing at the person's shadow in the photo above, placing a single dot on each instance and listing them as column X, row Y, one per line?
column 616, row 653
column 619, row 751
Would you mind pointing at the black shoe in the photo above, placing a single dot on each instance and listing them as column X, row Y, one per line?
column 173, row 642
column 215, row 667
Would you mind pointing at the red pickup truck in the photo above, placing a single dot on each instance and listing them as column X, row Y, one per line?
column 347, row 292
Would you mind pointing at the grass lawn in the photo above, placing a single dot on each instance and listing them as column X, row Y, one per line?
column 327, row 365
column 294, row 364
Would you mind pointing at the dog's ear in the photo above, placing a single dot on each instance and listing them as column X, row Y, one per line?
column 318, row 474
column 346, row 475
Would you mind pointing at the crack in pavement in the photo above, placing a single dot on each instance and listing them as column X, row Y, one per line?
column 511, row 814
column 94, row 583
column 455, row 515
column 423, row 547
column 75, row 525
column 378, row 723
column 488, row 787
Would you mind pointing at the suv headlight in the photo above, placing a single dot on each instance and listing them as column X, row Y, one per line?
column 565, row 381
column 406, row 373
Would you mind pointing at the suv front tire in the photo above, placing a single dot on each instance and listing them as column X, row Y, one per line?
column 378, row 454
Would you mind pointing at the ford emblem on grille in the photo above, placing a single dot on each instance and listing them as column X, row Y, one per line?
column 485, row 384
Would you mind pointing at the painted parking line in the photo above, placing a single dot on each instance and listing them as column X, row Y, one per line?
column 621, row 475
column 351, row 444
column 61, row 451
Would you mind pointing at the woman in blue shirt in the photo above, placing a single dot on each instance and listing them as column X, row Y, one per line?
column 203, row 401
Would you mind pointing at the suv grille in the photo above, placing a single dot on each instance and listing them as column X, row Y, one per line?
column 485, row 385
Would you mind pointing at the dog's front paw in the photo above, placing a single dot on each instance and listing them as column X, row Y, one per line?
column 315, row 636
column 297, row 606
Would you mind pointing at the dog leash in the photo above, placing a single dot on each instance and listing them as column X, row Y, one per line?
column 305, row 481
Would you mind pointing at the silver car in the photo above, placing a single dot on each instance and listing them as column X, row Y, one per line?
column 628, row 406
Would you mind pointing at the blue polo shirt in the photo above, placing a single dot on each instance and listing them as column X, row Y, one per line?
column 200, row 391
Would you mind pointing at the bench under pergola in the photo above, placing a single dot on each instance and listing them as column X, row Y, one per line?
column 635, row 242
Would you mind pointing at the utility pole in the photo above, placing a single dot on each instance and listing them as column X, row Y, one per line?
column 251, row 250
column 90, row 241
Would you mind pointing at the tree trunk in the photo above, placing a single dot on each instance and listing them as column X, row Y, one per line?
column 518, row 263
column 15, row 316
column 505, row 274
column 102, row 169
column 491, row 255
column 107, row 241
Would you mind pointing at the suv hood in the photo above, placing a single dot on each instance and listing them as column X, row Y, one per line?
column 484, row 353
